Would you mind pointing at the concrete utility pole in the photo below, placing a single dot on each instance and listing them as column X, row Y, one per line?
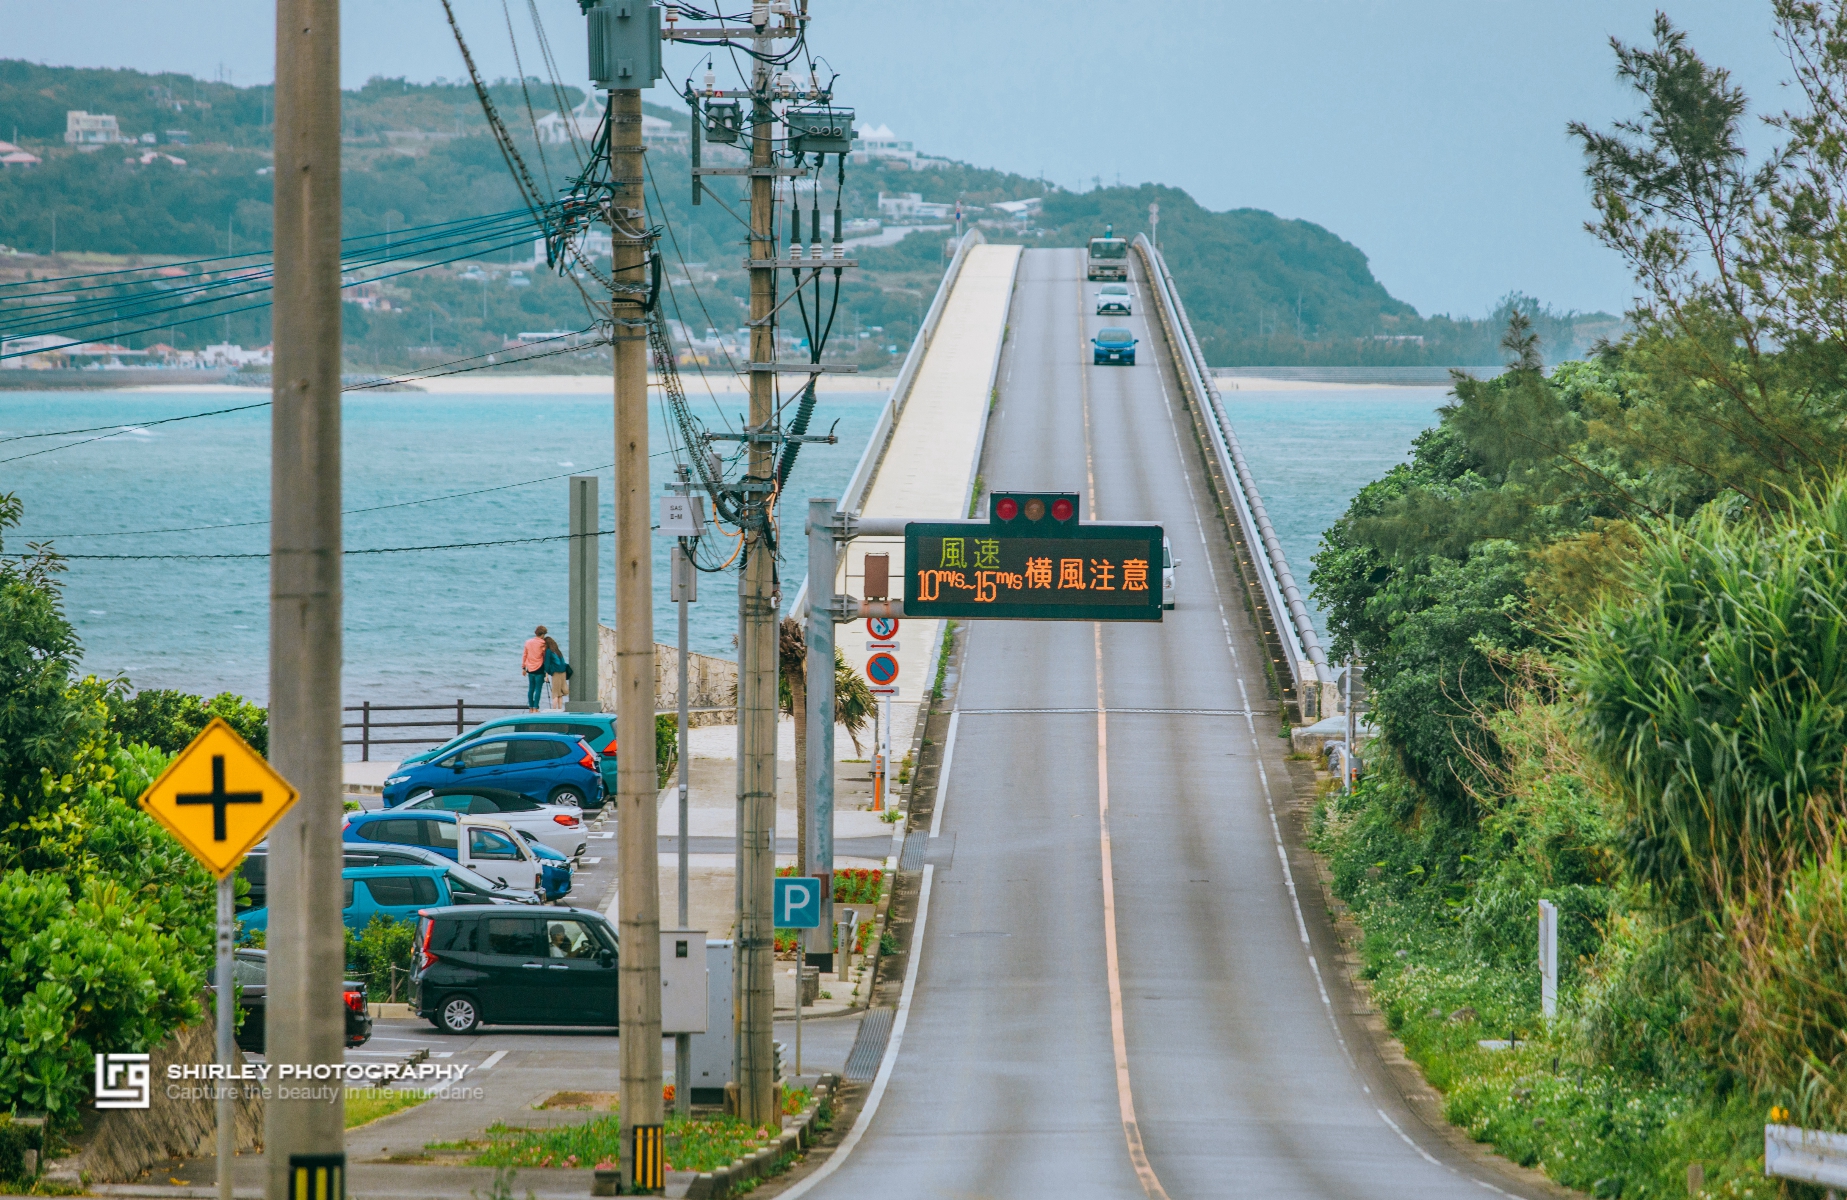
column 307, row 959
column 757, row 656
column 637, row 786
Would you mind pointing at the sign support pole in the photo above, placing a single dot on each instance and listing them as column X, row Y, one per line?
column 822, row 569
column 306, row 937
column 227, row 1015
column 685, row 580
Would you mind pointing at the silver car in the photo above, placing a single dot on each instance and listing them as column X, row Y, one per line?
column 558, row 826
column 1168, row 563
column 1113, row 300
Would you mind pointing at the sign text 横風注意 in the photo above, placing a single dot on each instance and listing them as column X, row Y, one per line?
column 1080, row 572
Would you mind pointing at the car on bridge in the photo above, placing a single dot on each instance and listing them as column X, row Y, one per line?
column 1168, row 563
column 1113, row 345
column 1113, row 300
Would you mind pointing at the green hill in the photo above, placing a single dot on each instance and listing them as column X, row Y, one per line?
column 1261, row 289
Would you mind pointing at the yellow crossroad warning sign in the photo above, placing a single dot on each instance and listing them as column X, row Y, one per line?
column 218, row 797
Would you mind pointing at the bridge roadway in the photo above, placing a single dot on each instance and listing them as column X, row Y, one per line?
column 1024, row 1053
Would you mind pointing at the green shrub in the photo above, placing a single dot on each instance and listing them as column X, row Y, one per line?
column 168, row 720
column 380, row 955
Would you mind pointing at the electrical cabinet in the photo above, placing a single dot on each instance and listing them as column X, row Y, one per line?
column 825, row 130
column 625, row 43
column 714, row 1050
column 683, row 981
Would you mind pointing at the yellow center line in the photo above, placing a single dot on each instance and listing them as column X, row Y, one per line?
column 1125, row 1095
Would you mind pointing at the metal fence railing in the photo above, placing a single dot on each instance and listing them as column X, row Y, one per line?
column 455, row 722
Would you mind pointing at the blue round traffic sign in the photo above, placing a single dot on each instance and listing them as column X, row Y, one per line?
column 882, row 629
column 882, row 669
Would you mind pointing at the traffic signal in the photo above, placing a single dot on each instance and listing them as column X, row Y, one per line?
column 1033, row 512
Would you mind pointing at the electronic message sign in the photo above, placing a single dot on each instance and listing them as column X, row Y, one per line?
column 1033, row 559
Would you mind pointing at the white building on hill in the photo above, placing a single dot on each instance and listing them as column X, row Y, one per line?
column 92, row 129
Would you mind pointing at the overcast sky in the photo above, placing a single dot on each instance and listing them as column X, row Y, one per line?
column 1430, row 133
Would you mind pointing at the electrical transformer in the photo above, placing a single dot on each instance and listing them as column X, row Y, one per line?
column 625, row 43
column 724, row 122
column 820, row 130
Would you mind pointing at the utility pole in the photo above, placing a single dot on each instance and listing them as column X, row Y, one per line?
column 685, row 591
column 758, row 661
column 637, row 785
column 307, row 944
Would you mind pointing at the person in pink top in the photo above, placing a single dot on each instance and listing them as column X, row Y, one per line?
column 532, row 662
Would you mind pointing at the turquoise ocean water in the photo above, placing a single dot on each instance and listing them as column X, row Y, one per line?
column 420, row 628
column 1312, row 451
column 429, row 627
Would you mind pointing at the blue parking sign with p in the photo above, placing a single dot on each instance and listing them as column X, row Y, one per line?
column 798, row 903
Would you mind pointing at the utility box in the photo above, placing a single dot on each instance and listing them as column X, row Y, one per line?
column 625, row 43
column 820, row 130
column 713, row 1062
column 683, row 981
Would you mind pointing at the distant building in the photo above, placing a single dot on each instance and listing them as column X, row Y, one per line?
column 878, row 141
column 39, row 353
column 657, row 133
column 228, row 354
column 92, row 129
column 911, row 206
column 13, row 156
column 1021, row 210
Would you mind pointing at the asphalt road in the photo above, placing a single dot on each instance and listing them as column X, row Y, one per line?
column 1029, row 1068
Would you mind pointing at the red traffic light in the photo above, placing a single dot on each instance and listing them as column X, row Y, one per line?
column 1062, row 510
column 1007, row 508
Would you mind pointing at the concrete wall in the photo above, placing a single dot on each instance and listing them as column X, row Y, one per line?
column 712, row 682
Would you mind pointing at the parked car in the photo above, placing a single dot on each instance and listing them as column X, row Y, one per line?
column 556, row 825
column 1113, row 300
column 478, row 966
column 396, row 892
column 487, row 844
column 552, row 768
column 1168, row 563
column 250, row 972
column 598, row 729
column 1113, row 345
column 255, row 870
column 381, row 855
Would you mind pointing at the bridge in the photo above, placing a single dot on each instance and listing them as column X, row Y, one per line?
column 1122, row 976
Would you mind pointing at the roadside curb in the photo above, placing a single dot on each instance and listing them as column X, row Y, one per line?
column 797, row 1135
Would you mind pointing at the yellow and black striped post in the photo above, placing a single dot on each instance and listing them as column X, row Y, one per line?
column 650, row 1158
column 317, row 1177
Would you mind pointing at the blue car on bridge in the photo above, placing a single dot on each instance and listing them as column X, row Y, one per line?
column 1113, row 345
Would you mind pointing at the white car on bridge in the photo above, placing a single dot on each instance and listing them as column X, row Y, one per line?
column 1168, row 563
column 1113, row 299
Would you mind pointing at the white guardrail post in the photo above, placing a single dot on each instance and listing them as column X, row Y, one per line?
column 1806, row 1154
column 1308, row 664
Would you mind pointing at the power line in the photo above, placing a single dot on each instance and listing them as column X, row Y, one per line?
column 560, row 537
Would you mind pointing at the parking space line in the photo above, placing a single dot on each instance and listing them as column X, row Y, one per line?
column 493, row 1058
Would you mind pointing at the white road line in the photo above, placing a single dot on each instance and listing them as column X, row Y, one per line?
column 942, row 774
column 491, row 1059
column 880, row 1082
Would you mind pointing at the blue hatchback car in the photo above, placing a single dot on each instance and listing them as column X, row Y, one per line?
column 394, row 892
column 552, row 768
column 1113, row 345
column 598, row 729
column 437, row 831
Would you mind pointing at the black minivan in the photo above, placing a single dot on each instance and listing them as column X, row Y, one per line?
column 502, row 965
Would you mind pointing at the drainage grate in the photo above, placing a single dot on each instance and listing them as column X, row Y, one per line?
column 914, row 845
column 869, row 1046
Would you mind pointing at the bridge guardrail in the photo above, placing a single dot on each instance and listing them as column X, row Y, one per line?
column 1307, row 661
